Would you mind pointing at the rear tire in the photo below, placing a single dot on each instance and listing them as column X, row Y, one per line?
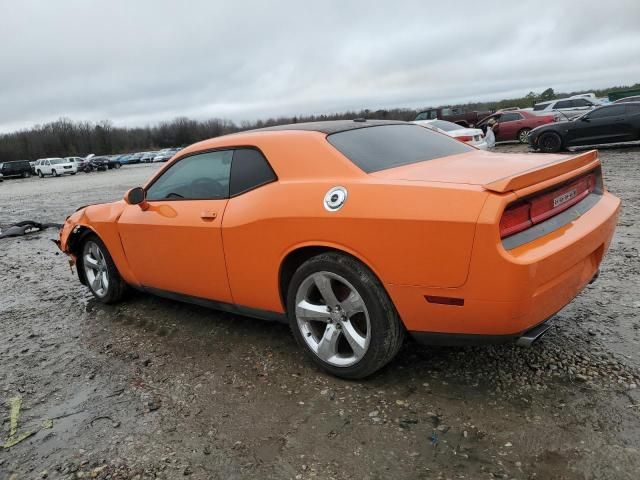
column 40, row 174
column 360, row 333
column 550, row 142
column 26, row 174
column 100, row 272
column 523, row 135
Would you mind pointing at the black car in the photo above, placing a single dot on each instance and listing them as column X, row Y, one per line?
column 16, row 168
column 609, row 124
column 99, row 163
column 114, row 162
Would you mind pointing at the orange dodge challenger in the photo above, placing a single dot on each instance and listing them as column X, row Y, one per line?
column 356, row 232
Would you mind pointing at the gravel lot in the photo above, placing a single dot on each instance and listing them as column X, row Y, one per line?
column 152, row 388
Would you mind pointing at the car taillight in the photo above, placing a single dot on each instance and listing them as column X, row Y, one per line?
column 515, row 219
column 537, row 209
column 465, row 138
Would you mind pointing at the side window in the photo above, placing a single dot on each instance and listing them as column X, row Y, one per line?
column 510, row 117
column 607, row 111
column 422, row 116
column 581, row 102
column 564, row 104
column 540, row 106
column 204, row 176
column 433, row 114
column 249, row 170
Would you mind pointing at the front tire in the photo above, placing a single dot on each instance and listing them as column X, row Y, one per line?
column 100, row 272
column 523, row 135
column 26, row 175
column 55, row 174
column 342, row 317
column 550, row 142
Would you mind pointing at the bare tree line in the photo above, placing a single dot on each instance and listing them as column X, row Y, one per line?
column 65, row 137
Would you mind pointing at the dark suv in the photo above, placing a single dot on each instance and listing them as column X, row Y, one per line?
column 16, row 168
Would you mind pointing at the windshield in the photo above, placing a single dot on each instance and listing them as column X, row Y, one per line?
column 387, row 146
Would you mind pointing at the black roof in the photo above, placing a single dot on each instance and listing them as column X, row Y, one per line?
column 330, row 127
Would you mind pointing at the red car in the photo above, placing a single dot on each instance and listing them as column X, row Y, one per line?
column 514, row 124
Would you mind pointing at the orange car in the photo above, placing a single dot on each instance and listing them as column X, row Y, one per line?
column 356, row 232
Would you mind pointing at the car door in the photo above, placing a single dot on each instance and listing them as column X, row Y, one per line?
column 482, row 125
column 603, row 125
column 581, row 105
column 509, row 124
column 633, row 117
column 45, row 167
column 174, row 242
column 564, row 108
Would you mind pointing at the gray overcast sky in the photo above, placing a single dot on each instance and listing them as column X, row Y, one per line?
column 140, row 62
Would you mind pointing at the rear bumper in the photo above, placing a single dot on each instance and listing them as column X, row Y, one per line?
column 510, row 292
column 524, row 339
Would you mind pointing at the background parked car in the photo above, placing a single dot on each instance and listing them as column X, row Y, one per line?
column 135, row 158
column 565, row 107
column 79, row 161
column 471, row 136
column 147, row 157
column 124, row 159
column 514, row 124
column 86, row 166
column 55, row 167
column 459, row 115
column 16, row 168
column 99, row 163
column 130, row 158
column 113, row 161
column 613, row 123
column 165, row 154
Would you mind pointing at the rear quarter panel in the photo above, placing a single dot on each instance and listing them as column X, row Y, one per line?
column 407, row 234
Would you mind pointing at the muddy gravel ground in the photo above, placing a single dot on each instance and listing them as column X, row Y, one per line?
column 153, row 388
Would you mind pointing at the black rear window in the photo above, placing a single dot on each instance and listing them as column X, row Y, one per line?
column 387, row 146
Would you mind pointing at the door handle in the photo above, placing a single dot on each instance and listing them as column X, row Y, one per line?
column 208, row 215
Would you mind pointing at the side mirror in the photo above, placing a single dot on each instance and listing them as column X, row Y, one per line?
column 137, row 196
column 585, row 119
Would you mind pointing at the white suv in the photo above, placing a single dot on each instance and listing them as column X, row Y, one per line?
column 565, row 108
column 55, row 167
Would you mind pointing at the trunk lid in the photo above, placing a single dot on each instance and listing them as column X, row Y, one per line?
column 497, row 172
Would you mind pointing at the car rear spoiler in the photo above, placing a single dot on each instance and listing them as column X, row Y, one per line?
column 544, row 172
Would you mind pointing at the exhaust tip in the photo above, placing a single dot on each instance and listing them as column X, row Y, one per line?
column 529, row 337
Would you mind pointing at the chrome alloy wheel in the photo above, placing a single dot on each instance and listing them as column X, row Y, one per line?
column 333, row 319
column 95, row 269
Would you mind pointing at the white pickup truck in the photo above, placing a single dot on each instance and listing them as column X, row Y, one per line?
column 55, row 167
